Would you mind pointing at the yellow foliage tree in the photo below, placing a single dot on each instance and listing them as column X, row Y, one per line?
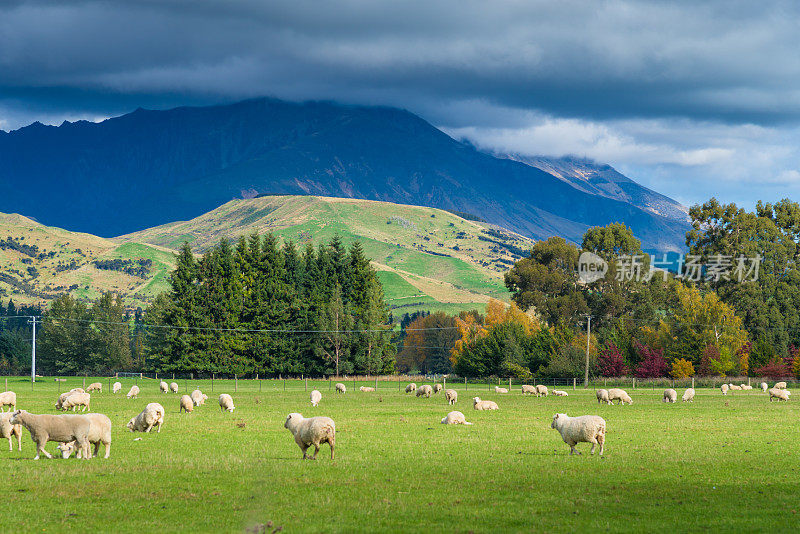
column 469, row 329
column 711, row 319
column 682, row 368
column 498, row 312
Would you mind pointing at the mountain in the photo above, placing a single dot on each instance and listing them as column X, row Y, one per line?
column 151, row 167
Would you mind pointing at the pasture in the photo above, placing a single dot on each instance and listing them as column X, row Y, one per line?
column 720, row 462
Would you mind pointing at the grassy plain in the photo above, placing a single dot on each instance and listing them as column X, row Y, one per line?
column 718, row 463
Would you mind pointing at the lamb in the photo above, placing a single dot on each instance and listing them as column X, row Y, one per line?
column 688, row 395
column 340, row 388
column 586, row 429
column 226, row 403
column 724, row 388
column 134, row 392
column 8, row 398
column 541, row 391
column 560, row 393
column 780, row 394
column 173, row 387
column 163, row 386
column 479, row 404
column 311, row 431
column 411, row 387
column 367, row 389
column 77, row 399
column 316, row 396
column 529, row 390
column 764, row 387
column 99, row 432
column 7, row 430
column 602, row 396
column 619, row 394
column 451, row 395
column 116, row 388
column 438, row 387
column 198, row 397
column 455, row 418
column 95, row 386
column 498, row 389
column 670, row 395
column 780, row 385
column 60, row 428
column 186, row 404
column 152, row 415
column 424, row 391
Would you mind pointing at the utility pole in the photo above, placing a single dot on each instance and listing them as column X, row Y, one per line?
column 32, row 321
column 588, row 337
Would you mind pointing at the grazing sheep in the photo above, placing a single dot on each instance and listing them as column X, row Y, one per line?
column 602, row 396
column 7, row 430
column 724, row 388
column 764, row 387
column 425, row 391
column 99, row 432
column 60, row 428
column 134, row 392
column 186, row 404
column 437, row 388
column 411, row 387
column 498, row 389
column 226, row 403
column 198, row 397
column 583, row 429
column 116, row 388
column 77, row 399
column 173, row 387
column 152, row 415
column 311, row 431
column 95, row 386
column 734, row 387
column 455, row 418
column 560, row 393
column 780, row 385
column 541, row 391
column 688, row 395
column 316, row 396
column 340, row 388
column 670, row 395
column 451, row 395
column 619, row 394
column 63, row 397
column 367, row 389
column 528, row 390
column 163, row 386
column 479, row 404
column 8, row 398
column 780, row 394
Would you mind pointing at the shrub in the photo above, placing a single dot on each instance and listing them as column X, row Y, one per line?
column 775, row 368
column 610, row 361
column 682, row 368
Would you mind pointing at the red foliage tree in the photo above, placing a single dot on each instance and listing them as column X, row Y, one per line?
column 653, row 363
column 776, row 368
column 610, row 362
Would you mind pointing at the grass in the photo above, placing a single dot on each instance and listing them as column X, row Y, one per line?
column 721, row 462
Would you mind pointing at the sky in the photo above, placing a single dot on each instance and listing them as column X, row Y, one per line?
column 693, row 99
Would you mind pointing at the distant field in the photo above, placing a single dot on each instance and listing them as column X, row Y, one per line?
column 718, row 463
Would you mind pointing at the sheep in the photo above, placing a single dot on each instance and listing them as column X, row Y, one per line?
column 619, row 394
column 173, row 387
column 528, row 390
column 438, row 387
column 586, row 428
column 340, row 388
column 186, row 404
column 152, row 415
column 670, row 395
column 60, row 428
column 367, row 389
column 132, row 394
column 99, row 432
column 451, row 395
column 8, row 398
column 479, row 404
column 780, row 385
column 560, row 393
column 455, row 418
column 316, row 396
column 424, row 391
column 163, row 386
column 688, row 395
column 498, row 389
column 764, row 387
column 61, row 398
column 780, row 394
column 311, row 431
column 724, row 388
column 226, row 403
column 7, row 430
column 541, row 391
column 77, row 399
column 746, row 387
column 411, row 387
column 116, row 388
column 95, row 386
column 734, row 387
column 198, row 397
column 602, row 396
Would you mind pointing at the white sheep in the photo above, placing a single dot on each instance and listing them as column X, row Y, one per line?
column 163, row 386
column 688, row 395
column 583, row 429
column 764, row 387
column 451, row 395
column 7, row 430
column 746, row 387
column 412, row 387
column 560, row 393
column 541, row 391
column 479, row 404
column 734, row 387
column 602, row 396
column 311, row 431
column 780, row 394
column 424, row 391
column 528, row 390
column 62, row 397
column 8, row 398
column 367, row 389
column 116, row 388
column 724, row 388
column 455, row 418
column 780, row 385
column 340, row 388
column 226, row 403
column 498, row 389
column 173, row 387
column 60, row 428
column 77, row 399
column 437, row 388
column 619, row 394
column 134, row 392
column 670, row 395
column 186, row 404
column 95, row 386
column 99, row 432
column 152, row 415
column 198, row 397
column 316, row 396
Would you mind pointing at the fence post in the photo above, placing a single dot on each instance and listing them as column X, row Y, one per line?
column 509, row 384
column 376, row 383
column 213, row 375
column 574, row 381
column 692, row 382
column 235, row 383
column 84, row 382
column 634, row 382
column 466, row 388
column 284, row 384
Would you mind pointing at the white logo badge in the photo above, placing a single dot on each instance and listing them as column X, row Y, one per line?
column 591, row 267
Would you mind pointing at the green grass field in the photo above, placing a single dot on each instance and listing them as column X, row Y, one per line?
column 721, row 462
